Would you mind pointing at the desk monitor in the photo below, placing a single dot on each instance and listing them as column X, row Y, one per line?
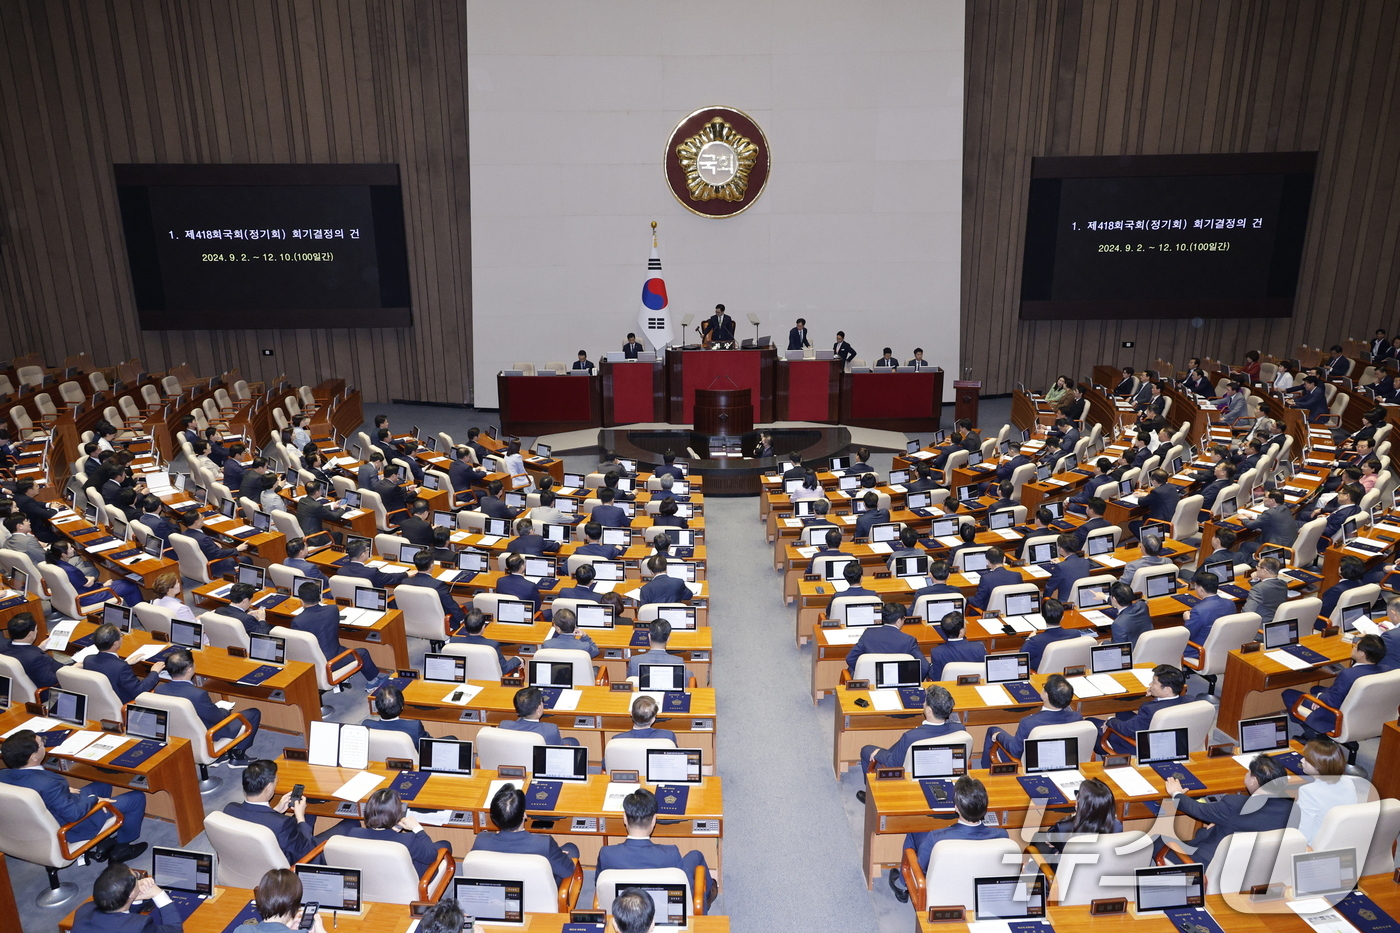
column 472, row 561
column 1170, row 887
column 885, row 532
column 492, row 432
column 187, row 634
column 573, row 480
column 120, row 529
column 1044, row 471
column 1051, row 754
column 1042, row 552
column 1009, row 897
column 861, row 615
column 551, row 673
column 840, row 463
column 1008, row 668
column 539, row 566
column 1222, row 570
column 681, row 537
column 595, row 616
column 848, row 482
column 120, row 616
column 1162, row 584
column 1332, row 871
column 515, row 500
column 542, row 450
column 498, row 527
column 372, row 598
column 626, row 483
column 682, row 618
column 916, row 566
column 333, row 888
column 630, row 466
column 561, row 533
column 680, row 487
column 1281, row 634
column 431, row 481
column 68, row 705
column 938, row 761
column 227, row 508
column 1111, row 658
column 1350, row 615
column 1176, row 465
column 147, row 722
column 1022, row 604
column 262, row 521
column 183, row 870
column 409, row 551
column 892, row 674
column 567, row 506
column 974, row 457
column 513, row 611
column 1000, row 519
column 913, row 446
column 1264, row 734
column 609, row 570
column 629, row 509
column 443, row 519
column 1057, row 509
column 5, row 692
column 668, row 901
column 663, row 677
column 617, row 537
column 945, row 527
column 153, row 546
column 1099, row 545
column 1154, row 745
column 445, row 756
column 351, row 539
column 675, row 766
column 858, row 506
column 804, row 507
column 898, row 477
column 967, row 493
column 269, row 648
column 560, row 762
column 490, row 901
column 1227, row 507
column 681, row 570
column 1125, row 487
column 791, row 486
column 919, row 500
column 936, row 608
column 974, row 561
column 445, row 668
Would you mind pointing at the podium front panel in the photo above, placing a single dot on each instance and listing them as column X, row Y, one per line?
column 535, row 405
column 893, row 401
column 633, row 392
column 808, row 390
column 689, row 370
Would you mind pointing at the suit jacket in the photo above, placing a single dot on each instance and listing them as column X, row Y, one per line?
column 1265, row 597
column 575, row 642
column 1203, row 616
column 233, row 475
column 596, row 549
column 1235, row 813
column 664, row 589
column 1277, row 526
column 1334, row 593
column 531, row 544
column 647, row 733
column 610, row 516
column 1065, row 574
column 583, row 364
column 655, row 656
column 1082, row 532
column 1161, row 501
column 883, row 363
column 850, row 591
column 507, row 664
column 462, row 474
column 1201, row 386
column 1006, row 468
column 526, row 843
column 250, row 486
column 209, row 547
column 893, row 757
column 719, row 327
column 886, row 639
column 871, row 517
column 1133, row 566
column 416, row 531
column 630, row 350
column 951, row 651
column 39, row 515
column 1235, row 408
column 409, row 727
column 1336, row 518
column 1035, row 645
column 1016, row 744
column 1336, row 692
column 312, row 513
column 304, row 567
column 323, row 622
column 990, row 580
column 547, row 729
column 293, row 838
column 204, row 708
column 926, row 841
column 844, row 351
column 420, row 848
column 392, row 495
column 1314, row 400
column 28, row 545
column 373, row 575
column 1132, row 622
column 63, row 804
column 1130, row 722
column 88, row 919
column 251, row 623
column 38, row 666
column 513, row 584
column 496, row 508
column 797, row 339
column 1212, row 491
column 639, row 855
column 124, row 683
column 918, row 363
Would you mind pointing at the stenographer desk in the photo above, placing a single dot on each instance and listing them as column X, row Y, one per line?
column 579, row 813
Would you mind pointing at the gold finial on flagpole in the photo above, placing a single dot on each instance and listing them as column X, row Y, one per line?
column 653, row 233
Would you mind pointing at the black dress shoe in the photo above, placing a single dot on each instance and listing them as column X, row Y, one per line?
column 860, row 795
column 125, row 852
column 101, row 851
column 901, row 893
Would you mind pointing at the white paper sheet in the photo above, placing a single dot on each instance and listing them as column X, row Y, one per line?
column 1036, row 571
column 37, row 724
column 994, row 695
column 1083, row 689
column 360, row 786
column 144, row 652
column 1130, row 782
column 323, row 745
column 465, row 693
column 1097, row 617
column 617, row 791
column 886, row 701
column 842, row 636
column 1287, row 660
column 1143, row 674
column 881, row 547
column 569, row 700
column 102, row 747
column 1106, row 684
column 76, row 742
column 59, row 635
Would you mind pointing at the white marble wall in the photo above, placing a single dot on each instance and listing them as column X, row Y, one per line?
column 572, row 102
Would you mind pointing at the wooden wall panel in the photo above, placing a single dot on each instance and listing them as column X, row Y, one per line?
column 1104, row 77
column 90, row 84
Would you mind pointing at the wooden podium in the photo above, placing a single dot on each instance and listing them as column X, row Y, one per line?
column 723, row 412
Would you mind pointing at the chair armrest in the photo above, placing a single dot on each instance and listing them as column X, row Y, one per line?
column 72, row 853
column 1109, row 730
column 914, row 880
column 1047, row 867
column 101, row 589
column 350, row 671
column 1317, row 701
column 313, row 854
column 1174, row 846
column 316, row 547
column 699, row 888
column 570, row 888
column 426, row 892
column 603, row 678
column 1199, row 661
column 694, row 683
column 999, row 752
column 230, row 718
column 844, row 676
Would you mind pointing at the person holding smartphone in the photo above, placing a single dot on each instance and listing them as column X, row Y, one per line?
column 113, row 893
column 278, row 899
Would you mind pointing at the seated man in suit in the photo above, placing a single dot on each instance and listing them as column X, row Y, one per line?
column 668, row 466
column 926, row 482
column 583, row 362
column 240, row 607
column 970, row 800
column 508, row 816
column 644, row 710
column 1201, row 618
column 1072, row 567
column 394, row 496
column 1223, row 475
column 1059, row 694
column 421, row 575
column 251, row 485
column 529, row 707
column 1351, row 570
column 1152, row 545
column 1276, row 524
column 152, row 519
column 1232, row 404
column 38, row 666
column 314, row 509
column 862, row 462
column 322, row 620
column 416, row 527
column 584, row 575
column 473, row 624
column 1094, row 508
column 938, row 571
column 994, row 576
column 1266, row 591
column 107, row 662
column 478, row 448
column 887, row 359
column 955, row 646
column 662, row 588
column 294, row 831
column 1348, row 497
column 656, row 653
column 832, row 549
column 1160, row 501
column 938, row 709
column 355, row 552
column 918, row 362
column 221, row 559
column 388, row 704
column 887, row 638
column 493, row 504
column 593, row 532
column 1266, row 806
column 368, row 473
column 546, row 513
column 1133, row 619
column 871, row 516
column 1053, row 611
column 514, row 583
column 526, row 541
column 295, row 548
column 1104, row 477
column 613, row 479
column 608, row 515
column 115, row 891
column 1312, row 397
column 23, row 755
column 564, row 635
column 632, row 348
column 908, row 546
column 179, row 664
column 637, row 852
column 1367, row 657
column 821, row 512
column 854, row 577
column 1167, row 689
column 463, row 474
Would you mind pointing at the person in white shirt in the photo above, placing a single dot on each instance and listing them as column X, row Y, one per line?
column 810, row 489
column 1283, row 381
column 1325, row 762
column 167, row 589
column 300, row 435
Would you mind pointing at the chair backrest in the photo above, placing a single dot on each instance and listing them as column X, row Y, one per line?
column 997, row 600
column 1085, row 731
column 956, row 459
column 960, row 561
column 184, row 722
column 865, row 664
column 482, row 661
column 245, row 850
column 192, row 562
column 369, row 499
column 391, row 743
column 1227, row 634
column 61, row 592
column 1369, row 828
column 1112, row 531
column 583, row 664
column 1362, row 595
column 71, row 392
column 955, row 669
column 630, row 754
column 1100, row 866
column 1068, row 652
column 154, row 618
column 343, row 586
column 422, row 612
column 387, row 545
column 387, row 875
column 609, row 882
column 816, row 534
column 103, row 702
column 1163, row 646
column 957, row 863
column 952, row 738
column 31, row 832
column 221, row 631
column 1369, row 704
column 652, row 611
column 541, row 889
column 496, row 746
column 1102, row 580
column 22, row 689
column 1243, row 860
column 1197, row 718
column 44, row 402
column 1305, row 545
column 287, row 524
column 1185, row 521
column 1303, row 609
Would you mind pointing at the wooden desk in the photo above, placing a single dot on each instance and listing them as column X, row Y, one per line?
column 468, row 800
column 615, row 644
column 1254, row 683
column 168, row 778
column 1387, row 775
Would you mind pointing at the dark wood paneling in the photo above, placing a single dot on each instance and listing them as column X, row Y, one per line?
column 92, row 84
column 1113, row 77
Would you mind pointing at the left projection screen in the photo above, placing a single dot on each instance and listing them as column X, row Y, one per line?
column 220, row 247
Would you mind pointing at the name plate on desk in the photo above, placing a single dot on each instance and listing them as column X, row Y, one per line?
column 1108, row 906
column 1006, row 767
column 949, row 914
column 969, row 680
column 1250, row 647
column 621, row 686
column 889, row 774
column 863, row 684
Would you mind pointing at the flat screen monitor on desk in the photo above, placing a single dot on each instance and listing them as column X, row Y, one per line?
column 560, row 762
column 490, row 901
column 269, row 648
column 445, row 756
column 333, row 888
column 183, row 870
column 1157, row 745
column 938, row 761
column 1170, row 887
column 890, row 675
column 1264, row 734
column 1008, row 668
column 1009, row 897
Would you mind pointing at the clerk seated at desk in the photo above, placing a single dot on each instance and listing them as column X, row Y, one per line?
column 179, row 664
column 114, row 893
column 970, row 800
column 323, row 622
column 508, row 816
column 638, row 853
column 886, row 638
column 938, row 709
column 662, row 588
column 854, row 577
column 955, row 646
column 293, row 831
column 109, row 663
column 470, row 634
column 38, row 666
column 1367, row 656
column 388, row 703
column 644, row 710
column 583, row 362
column 1059, row 694
column 631, row 348
column 1167, row 689
column 529, row 707
column 887, row 359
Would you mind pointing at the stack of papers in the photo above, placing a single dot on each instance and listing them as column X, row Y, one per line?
column 108, row 546
column 881, row 547
column 842, row 636
column 360, row 618
column 886, row 701
column 807, row 551
column 972, row 577
column 37, row 724
column 1008, row 534
column 1130, row 782
column 1287, row 660
column 991, row 626
column 488, row 540
column 568, row 700
column 617, row 792
column 994, row 695
column 1109, row 561
column 1037, row 571
column 360, row 786
column 76, row 742
column 1097, row 617
column 1143, row 674
column 102, row 747
column 144, row 652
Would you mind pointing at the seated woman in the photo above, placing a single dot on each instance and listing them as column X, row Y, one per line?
column 810, row 488
column 1058, row 392
column 60, row 554
column 387, row 819
column 1325, row 763
column 167, row 588
column 1093, row 815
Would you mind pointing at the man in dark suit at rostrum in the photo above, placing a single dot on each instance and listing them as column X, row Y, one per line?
column 293, row 831
column 1265, row 807
column 887, row 638
column 843, row 350
column 323, row 622
column 388, row 704
column 107, row 662
column 179, row 664
column 718, row 327
column 797, row 337
column 583, row 362
column 1056, row 712
column 632, row 348
column 662, row 588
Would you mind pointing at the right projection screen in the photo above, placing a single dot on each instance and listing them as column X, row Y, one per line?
column 1165, row 236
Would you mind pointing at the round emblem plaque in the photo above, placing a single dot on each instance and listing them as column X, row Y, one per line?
column 717, row 162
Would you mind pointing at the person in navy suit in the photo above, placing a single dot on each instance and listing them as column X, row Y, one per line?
column 1160, row 501
column 608, row 515
column 1072, row 567
column 1312, row 397
column 1267, row 806
column 797, row 337
column 38, row 666
column 854, row 577
column 871, row 516
column 886, row 638
column 23, row 755
column 88, row 588
column 657, row 653
column 529, row 707
column 593, row 532
column 662, row 588
column 1059, row 694
column 632, row 348
column 294, row 832
column 221, row 559
column 1094, row 508
column 415, row 527
column 463, row 474
column 388, row 703
column 644, row 710
column 240, row 607
column 1201, row 617
column 355, row 552
column 1352, row 569
column 527, row 542
column 955, row 647
column 322, row 621
column 114, row 893
column 508, row 815
column 109, row 663
column 1052, row 610
column 515, row 585
column 563, row 635
column 583, row 585
column 668, row 466
column 1348, row 495
column 421, row 575
column 970, row 800
column 295, row 548
column 938, row 709
column 473, row 624
column 667, row 490
column 152, row 519
column 1167, row 689
column 994, row 576
column 1367, row 657
column 179, row 664
column 1133, row 619
column 638, row 853
column 938, row 571
column 842, row 350
column 387, row 820
column 493, row 505
column 832, row 549
column 1105, row 477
